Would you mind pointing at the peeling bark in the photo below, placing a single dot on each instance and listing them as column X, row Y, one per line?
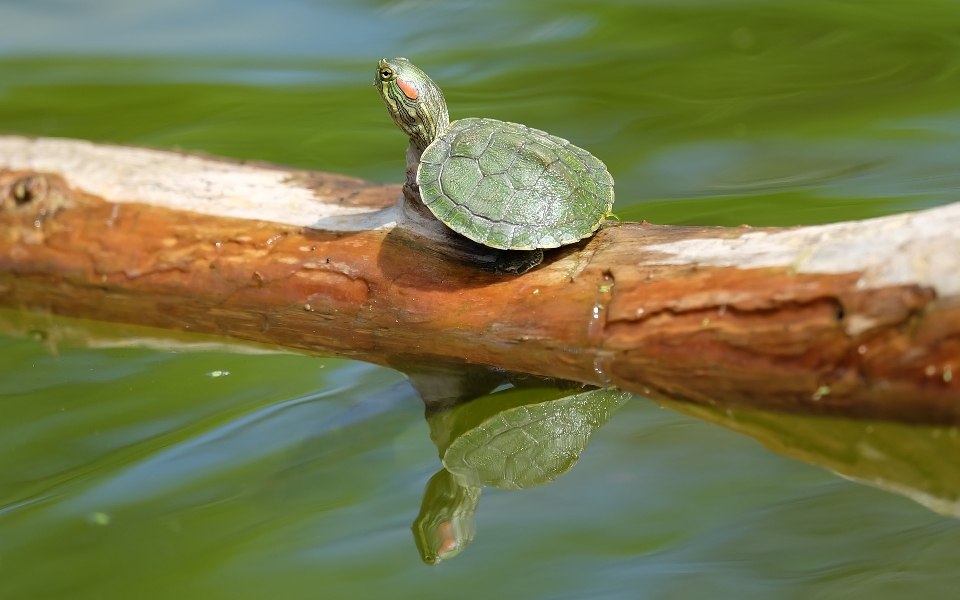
column 859, row 319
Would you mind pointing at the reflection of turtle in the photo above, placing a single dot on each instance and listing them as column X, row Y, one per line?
column 504, row 185
column 514, row 439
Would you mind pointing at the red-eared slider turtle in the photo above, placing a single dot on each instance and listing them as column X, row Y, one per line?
column 513, row 439
column 503, row 185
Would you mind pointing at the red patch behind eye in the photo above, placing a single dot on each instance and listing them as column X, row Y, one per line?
column 445, row 530
column 408, row 90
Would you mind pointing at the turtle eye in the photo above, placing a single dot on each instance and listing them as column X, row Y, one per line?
column 386, row 74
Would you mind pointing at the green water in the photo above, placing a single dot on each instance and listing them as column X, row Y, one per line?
column 127, row 470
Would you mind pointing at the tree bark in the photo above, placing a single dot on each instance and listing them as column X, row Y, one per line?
column 858, row 319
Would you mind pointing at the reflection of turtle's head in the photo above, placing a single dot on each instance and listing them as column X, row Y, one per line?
column 444, row 526
column 516, row 438
column 414, row 101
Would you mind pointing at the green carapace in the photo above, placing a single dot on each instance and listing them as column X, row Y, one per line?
column 503, row 185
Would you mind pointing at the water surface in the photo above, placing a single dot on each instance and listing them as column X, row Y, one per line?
column 130, row 470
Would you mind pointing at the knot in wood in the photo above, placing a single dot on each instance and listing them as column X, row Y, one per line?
column 29, row 189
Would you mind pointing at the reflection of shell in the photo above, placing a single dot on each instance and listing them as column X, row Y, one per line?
column 530, row 444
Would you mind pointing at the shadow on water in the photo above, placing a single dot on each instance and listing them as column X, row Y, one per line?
column 513, row 431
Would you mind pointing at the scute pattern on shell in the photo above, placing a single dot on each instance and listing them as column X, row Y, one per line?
column 531, row 445
column 510, row 186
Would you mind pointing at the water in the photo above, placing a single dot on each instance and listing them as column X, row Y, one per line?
column 126, row 470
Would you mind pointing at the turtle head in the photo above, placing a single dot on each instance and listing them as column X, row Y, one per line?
column 414, row 101
column 445, row 526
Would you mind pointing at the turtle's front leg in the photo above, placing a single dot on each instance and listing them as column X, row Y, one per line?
column 518, row 262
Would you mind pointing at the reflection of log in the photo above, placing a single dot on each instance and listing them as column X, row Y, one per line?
column 919, row 462
column 857, row 318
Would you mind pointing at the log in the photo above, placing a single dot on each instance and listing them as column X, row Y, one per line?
column 857, row 319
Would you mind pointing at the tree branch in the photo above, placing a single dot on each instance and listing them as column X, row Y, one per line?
column 859, row 318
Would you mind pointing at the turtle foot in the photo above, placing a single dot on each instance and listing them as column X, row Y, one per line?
column 518, row 262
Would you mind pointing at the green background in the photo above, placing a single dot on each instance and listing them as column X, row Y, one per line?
column 131, row 473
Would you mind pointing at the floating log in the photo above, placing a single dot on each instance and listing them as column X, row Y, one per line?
column 858, row 319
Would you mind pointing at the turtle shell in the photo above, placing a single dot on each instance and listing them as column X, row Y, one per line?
column 509, row 186
column 524, row 444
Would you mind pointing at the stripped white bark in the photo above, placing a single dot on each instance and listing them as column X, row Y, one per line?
column 186, row 182
column 911, row 248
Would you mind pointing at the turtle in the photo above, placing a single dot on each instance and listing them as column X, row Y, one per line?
column 503, row 185
column 512, row 439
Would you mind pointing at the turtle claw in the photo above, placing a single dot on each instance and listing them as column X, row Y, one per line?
column 518, row 262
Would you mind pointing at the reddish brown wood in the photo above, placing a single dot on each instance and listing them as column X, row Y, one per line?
column 599, row 311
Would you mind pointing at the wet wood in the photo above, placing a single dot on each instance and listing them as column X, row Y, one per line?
column 860, row 319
